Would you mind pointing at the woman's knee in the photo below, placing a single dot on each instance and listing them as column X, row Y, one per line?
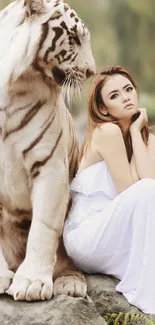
column 144, row 188
column 146, row 185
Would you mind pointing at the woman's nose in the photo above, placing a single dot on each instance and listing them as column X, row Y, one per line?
column 125, row 97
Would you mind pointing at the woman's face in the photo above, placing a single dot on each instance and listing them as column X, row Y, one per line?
column 120, row 97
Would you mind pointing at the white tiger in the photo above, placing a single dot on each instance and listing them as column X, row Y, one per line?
column 44, row 48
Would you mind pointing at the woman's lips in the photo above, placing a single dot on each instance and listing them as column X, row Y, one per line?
column 129, row 105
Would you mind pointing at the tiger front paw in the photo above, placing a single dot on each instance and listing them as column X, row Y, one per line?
column 5, row 281
column 70, row 285
column 27, row 289
column 31, row 284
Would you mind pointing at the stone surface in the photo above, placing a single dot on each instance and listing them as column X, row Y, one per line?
column 61, row 310
column 101, row 289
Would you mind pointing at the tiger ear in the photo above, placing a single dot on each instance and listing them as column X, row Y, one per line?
column 34, row 6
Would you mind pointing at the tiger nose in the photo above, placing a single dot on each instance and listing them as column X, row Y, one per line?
column 89, row 73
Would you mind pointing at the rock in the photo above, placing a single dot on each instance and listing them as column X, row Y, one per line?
column 101, row 289
column 61, row 310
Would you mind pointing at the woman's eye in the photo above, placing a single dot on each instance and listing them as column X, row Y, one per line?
column 113, row 96
column 129, row 88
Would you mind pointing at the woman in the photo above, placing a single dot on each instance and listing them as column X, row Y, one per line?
column 111, row 225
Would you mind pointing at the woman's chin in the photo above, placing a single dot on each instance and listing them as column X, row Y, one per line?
column 135, row 111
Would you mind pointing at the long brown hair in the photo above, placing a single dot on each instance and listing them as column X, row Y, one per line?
column 96, row 117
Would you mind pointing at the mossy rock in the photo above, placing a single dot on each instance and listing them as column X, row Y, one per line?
column 128, row 319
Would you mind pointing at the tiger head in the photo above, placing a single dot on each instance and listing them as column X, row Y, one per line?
column 46, row 37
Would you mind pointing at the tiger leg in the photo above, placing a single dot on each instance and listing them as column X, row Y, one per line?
column 67, row 278
column 5, row 274
column 33, row 278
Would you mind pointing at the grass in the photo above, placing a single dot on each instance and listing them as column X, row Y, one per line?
column 127, row 318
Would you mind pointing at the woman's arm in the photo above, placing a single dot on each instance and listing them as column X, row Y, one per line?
column 134, row 173
column 144, row 163
column 109, row 143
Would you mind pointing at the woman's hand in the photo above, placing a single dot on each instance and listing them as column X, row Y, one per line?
column 141, row 121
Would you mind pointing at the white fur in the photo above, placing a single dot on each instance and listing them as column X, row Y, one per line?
column 47, row 195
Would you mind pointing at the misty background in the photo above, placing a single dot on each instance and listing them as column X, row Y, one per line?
column 122, row 33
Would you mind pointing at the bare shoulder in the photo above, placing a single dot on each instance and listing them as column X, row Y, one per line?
column 107, row 136
column 108, row 130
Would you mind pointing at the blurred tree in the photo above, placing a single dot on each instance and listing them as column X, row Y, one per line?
column 123, row 33
column 134, row 21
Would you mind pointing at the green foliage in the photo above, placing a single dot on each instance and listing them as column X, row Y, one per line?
column 127, row 318
column 122, row 33
column 3, row 3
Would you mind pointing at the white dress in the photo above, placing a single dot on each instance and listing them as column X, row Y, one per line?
column 114, row 234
